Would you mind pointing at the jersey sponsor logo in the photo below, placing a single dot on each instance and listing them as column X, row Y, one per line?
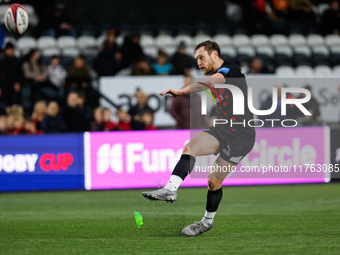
column 224, row 70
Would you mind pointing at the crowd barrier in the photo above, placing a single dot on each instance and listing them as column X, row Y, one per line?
column 142, row 159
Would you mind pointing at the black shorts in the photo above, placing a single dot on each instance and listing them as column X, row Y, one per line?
column 232, row 149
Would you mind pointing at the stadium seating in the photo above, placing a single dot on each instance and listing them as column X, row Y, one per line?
column 164, row 41
column 25, row 43
column 323, row 70
column 65, row 42
column 86, row 42
column 336, row 70
column 278, row 40
column 297, row 40
column 241, row 40
column 285, row 71
column 304, row 70
column 276, row 50
column 223, row 40
column 147, row 41
column 46, row 42
column 260, row 40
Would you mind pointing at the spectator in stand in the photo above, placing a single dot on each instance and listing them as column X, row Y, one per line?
column 10, row 125
column 266, row 16
column 137, row 110
column 257, row 67
column 3, row 125
column 57, row 74
column 330, row 20
column 56, row 22
column 124, row 120
column 79, row 77
column 97, row 124
column 10, row 80
column 73, row 117
column 36, row 73
column 109, row 60
column 53, row 121
column 131, row 50
column 142, row 67
column 19, row 125
column 302, row 13
column 313, row 107
column 161, row 66
column 39, row 112
column 79, row 74
column 86, row 110
column 16, row 110
column 30, row 128
column 107, row 122
column 181, row 62
column 181, row 111
column 147, row 119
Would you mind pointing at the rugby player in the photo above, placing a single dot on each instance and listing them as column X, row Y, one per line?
column 232, row 143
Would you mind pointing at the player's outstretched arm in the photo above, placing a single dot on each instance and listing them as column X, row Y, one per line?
column 217, row 78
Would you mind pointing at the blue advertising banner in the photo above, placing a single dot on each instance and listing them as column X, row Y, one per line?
column 42, row 162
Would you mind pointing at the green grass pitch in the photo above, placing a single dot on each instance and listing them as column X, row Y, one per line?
column 288, row 219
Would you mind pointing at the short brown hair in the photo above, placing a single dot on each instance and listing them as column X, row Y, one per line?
column 209, row 46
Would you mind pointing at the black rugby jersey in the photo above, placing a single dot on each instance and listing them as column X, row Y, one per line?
column 234, row 76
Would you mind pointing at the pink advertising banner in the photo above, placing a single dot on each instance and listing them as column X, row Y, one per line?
column 142, row 159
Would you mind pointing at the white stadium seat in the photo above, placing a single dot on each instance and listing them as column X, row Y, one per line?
column 50, row 52
column 259, row 40
column 120, row 40
column 45, row 42
column 278, row 40
column 241, row 40
column 246, row 51
column 265, row 50
column 230, row 51
column 320, row 50
column 100, row 40
column 302, row 50
column 69, row 52
column 332, row 40
column 201, row 38
column 284, row 71
column 336, row 70
column 170, row 50
column 147, row 41
column 315, row 40
column 26, row 42
column 304, row 70
column 187, row 39
column 286, row 50
column 323, row 70
column 297, row 40
column 86, row 41
column 335, row 50
column 67, row 42
column 163, row 41
column 152, row 52
column 223, row 40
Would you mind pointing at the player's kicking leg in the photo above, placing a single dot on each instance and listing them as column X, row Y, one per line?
column 202, row 144
column 213, row 199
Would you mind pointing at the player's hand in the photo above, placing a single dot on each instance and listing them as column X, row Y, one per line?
column 173, row 93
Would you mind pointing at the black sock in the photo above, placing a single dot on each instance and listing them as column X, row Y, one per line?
column 213, row 200
column 184, row 166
